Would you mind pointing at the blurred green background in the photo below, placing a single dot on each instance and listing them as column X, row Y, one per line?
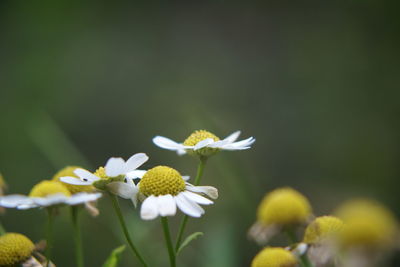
column 316, row 83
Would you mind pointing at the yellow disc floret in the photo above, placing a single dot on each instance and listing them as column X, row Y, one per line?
column 161, row 180
column 322, row 228
column 69, row 171
column 14, row 249
column 101, row 172
column 283, row 206
column 367, row 224
column 46, row 188
column 198, row 136
column 274, row 257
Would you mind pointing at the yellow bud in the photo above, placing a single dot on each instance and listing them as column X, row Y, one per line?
column 69, row 171
column 46, row 188
column 14, row 249
column 322, row 228
column 274, row 257
column 161, row 180
column 283, row 206
column 198, row 136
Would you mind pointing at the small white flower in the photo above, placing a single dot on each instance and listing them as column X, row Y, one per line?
column 204, row 143
column 45, row 194
column 163, row 190
column 115, row 167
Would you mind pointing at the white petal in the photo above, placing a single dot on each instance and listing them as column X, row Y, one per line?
column 13, row 201
column 122, row 189
column 244, row 144
column 75, row 181
column 187, row 206
column 167, row 143
column 149, row 209
column 50, row 200
column 166, row 205
column 197, row 198
column 185, row 177
column 115, row 167
column 181, row 152
column 83, row 197
column 209, row 191
column 232, row 137
column 136, row 174
column 135, row 161
column 203, row 143
column 86, row 175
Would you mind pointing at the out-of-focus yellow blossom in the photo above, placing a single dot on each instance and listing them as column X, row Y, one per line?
column 367, row 224
column 322, row 228
column 14, row 249
column 274, row 257
column 69, row 171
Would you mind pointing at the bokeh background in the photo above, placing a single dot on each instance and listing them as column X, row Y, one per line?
column 317, row 84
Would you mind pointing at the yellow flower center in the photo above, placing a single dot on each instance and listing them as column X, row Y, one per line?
column 284, row 206
column 161, row 180
column 101, row 172
column 367, row 224
column 198, row 136
column 14, row 249
column 274, row 257
column 322, row 228
column 46, row 188
column 69, row 171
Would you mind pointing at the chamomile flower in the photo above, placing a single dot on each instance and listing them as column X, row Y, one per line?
column 116, row 169
column 46, row 194
column 163, row 190
column 204, row 143
column 281, row 208
column 274, row 257
column 15, row 249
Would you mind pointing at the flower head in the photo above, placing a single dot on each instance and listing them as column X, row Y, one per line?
column 203, row 143
column 69, row 171
column 14, row 249
column 274, row 257
column 116, row 169
column 162, row 190
column 283, row 207
column 47, row 193
column 367, row 224
column 322, row 228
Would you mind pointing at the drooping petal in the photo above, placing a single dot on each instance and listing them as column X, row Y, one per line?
column 209, row 191
column 203, row 143
column 13, row 201
column 74, row 181
column 50, row 200
column 188, row 207
column 115, row 167
column 135, row 161
column 166, row 205
column 197, row 198
column 122, row 189
column 85, row 175
column 167, row 143
column 241, row 145
column 149, row 209
column 83, row 197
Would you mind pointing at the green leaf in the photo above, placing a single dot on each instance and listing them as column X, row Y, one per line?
column 114, row 257
column 188, row 240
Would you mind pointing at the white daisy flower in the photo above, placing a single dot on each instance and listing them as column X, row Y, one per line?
column 163, row 190
column 45, row 194
column 204, row 143
column 116, row 169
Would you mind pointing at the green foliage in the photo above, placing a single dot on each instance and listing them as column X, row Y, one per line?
column 115, row 256
column 188, row 239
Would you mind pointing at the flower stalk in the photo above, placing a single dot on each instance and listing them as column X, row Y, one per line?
column 168, row 241
column 77, row 236
column 304, row 260
column 49, row 234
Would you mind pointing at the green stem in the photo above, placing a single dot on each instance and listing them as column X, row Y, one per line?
column 168, row 241
column 182, row 226
column 2, row 230
column 304, row 260
column 77, row 236
column 49, row 235
column 117, row 209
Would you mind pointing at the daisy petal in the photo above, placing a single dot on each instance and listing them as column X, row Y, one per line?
column 166, row 205
column 74, row 181
column 188, row 207
column 81, row 198
column 50, row 200
column 181, row 152
column 115, row 167
column 135, row 161
column 13, row 201
column 197, row 198
column 232, row 137
column 136, row 174
column 203, row 143
column 185, row 177
column 84, row 174
column 123, row 190
column 149, row 210
column 167, row 143
column 209, row 191
column 241, row 144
